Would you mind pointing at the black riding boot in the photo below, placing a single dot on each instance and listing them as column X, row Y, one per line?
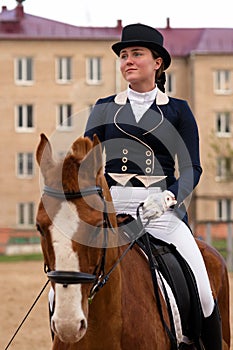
column 212, row 330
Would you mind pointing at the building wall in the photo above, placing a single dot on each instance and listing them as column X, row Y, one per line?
column 193, row 82
column 44, row 94
column 206, row 104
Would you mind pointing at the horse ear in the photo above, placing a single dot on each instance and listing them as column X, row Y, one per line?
column 96, row 140
column 93, row 161
column 44, row 154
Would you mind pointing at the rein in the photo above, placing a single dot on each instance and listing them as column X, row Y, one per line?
column 27, row 314
column 103, row 279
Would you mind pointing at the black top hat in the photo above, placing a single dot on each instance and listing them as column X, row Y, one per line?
column 142, row 35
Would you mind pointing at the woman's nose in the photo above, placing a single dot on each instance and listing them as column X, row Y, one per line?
column 129, row 60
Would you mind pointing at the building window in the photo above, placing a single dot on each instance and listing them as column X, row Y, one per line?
column 94, row 73
column 64, row 69
column 224, row 209
column 24, row 118
column 224, row 168
column 170, row 84
column 26, row 214
column 223, row 126
column 64, row 118
column 222, row 82
column 25, row 164
column 24, row 70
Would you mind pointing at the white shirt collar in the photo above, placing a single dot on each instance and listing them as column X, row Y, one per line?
column 142, row 97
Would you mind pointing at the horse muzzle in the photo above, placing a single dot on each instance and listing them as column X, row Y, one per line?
column 69, row 330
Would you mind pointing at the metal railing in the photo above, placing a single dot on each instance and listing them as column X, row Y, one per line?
column 228, row 237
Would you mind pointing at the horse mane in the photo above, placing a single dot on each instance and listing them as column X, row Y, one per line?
column 81, row 147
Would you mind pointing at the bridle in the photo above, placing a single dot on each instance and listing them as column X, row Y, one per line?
column 72, row 277
column 99, row 278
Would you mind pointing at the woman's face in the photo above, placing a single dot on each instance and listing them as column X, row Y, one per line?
column 138, row 67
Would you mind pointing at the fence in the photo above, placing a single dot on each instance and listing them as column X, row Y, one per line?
column 213, row 231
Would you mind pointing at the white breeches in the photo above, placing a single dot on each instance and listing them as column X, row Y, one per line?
column 170, row 229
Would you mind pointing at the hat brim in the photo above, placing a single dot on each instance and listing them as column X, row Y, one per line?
column 117, row 47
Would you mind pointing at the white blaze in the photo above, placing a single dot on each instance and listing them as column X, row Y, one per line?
column 68, row 307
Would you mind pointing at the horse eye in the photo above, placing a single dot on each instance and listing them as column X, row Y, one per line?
column 39, row 229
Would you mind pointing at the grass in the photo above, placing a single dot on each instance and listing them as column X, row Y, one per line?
column 21, row 257
column 221, row 246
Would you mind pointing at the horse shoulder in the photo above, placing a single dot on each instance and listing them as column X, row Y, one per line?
column 140, row 316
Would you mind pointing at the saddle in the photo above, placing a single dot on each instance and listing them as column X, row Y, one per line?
column 168, row 262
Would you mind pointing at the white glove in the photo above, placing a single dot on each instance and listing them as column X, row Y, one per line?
column 156, row 204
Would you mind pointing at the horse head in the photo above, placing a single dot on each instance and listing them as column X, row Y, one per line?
column 71, row 218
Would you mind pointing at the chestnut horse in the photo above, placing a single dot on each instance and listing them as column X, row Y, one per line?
column 74, row 210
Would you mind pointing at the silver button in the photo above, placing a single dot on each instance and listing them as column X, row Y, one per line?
column 148, row 170
column 124, row 168
column 148, row 153
column 125, row 151
column 124, row 159
column 148, row 162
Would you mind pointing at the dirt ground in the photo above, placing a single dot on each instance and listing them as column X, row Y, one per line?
column 20, row 284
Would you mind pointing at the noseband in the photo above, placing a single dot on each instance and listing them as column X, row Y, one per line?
column 73, row 195
column 72, row 277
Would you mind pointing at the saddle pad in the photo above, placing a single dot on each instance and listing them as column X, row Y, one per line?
column 182, row 282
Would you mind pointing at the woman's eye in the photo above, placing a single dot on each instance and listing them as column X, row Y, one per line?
column 123, row 57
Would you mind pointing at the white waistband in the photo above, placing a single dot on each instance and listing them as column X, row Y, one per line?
column 127, row 199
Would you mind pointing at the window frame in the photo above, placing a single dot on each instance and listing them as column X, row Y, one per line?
column 64, row 123
column 24, row 73
column 222, row 82
column 170, row 81
column 25, row 214
column 24, row 110
column 94, row 70
column 64, row 69
column 25, row 165
column 223, row 124
column 224, row 169
column 224, row 209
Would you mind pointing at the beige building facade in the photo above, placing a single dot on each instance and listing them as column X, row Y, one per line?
column 50, row 71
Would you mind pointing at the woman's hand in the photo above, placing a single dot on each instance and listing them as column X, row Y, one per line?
column 156, row 204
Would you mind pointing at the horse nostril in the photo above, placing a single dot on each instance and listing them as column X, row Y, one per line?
column 53, row 326
column 83, row 325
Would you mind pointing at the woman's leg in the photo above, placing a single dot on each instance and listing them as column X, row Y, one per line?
column 172, row 230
